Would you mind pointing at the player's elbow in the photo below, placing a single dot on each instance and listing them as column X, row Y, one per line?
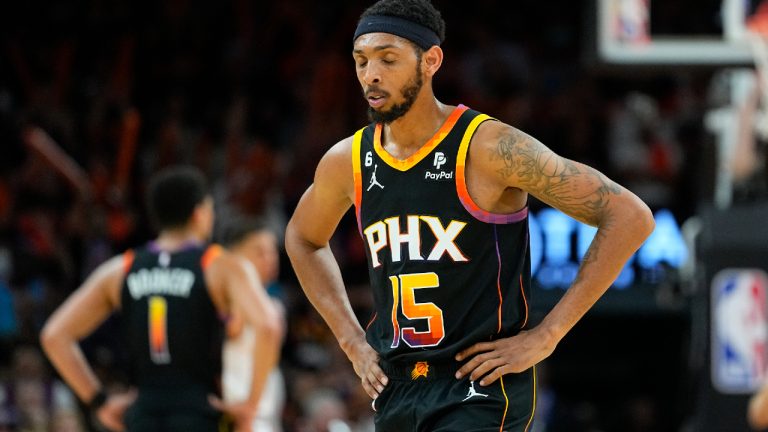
column 46, row 338
column 50, row 336
column 292, row 240
column 645, row 222
column 757, row 414
column 269, row 329
column 757, row 421
column 297, row 244
column 636, row 216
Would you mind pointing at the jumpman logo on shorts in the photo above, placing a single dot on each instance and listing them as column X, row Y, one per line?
column 374, row 182
column 472, row 393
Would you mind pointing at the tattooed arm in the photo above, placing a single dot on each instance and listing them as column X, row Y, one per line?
column 506, row 159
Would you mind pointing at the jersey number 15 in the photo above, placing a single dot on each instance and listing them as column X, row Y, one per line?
column 403, row 294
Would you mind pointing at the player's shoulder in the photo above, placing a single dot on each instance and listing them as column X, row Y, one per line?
column 336, row 164
column 107, row 279
column 500, row 142
column 218, row 260
column 496, row 149
column 489, row 133
column 117, row 266
column 342, row 150
column 220, row 265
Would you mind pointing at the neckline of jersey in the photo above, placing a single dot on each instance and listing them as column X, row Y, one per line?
column 185, row 246
column 421, row 153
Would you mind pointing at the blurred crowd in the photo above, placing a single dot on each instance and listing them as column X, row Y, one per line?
column 96, row 95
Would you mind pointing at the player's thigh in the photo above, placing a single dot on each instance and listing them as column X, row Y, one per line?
column 140, row 419
column 193, row 421
column 395, row 407
column 506, row 405
column 478, row 417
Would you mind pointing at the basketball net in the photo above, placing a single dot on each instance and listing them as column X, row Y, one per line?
column 757, row 36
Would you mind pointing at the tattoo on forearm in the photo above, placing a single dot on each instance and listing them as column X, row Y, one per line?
column 574, row 188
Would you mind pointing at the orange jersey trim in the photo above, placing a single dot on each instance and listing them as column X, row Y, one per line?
column 357, row 174
column 411, row 161
column 128, row 258
column 461, row 182
column 213, row 252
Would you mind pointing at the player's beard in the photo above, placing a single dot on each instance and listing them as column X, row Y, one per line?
column 409, row 91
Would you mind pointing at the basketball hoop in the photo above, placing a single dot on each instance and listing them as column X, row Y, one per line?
column 757, row 37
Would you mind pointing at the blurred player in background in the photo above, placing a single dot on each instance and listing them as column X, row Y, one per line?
column 254, row 241
column 172, row 295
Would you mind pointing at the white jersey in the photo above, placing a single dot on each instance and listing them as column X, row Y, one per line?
column 237, row 373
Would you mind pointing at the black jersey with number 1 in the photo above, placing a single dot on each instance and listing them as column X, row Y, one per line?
column 173, row 331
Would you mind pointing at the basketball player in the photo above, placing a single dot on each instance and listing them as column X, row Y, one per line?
column 444, row 221
column 253, row 240
column 171, row 294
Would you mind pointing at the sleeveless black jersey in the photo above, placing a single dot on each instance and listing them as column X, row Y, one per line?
column 173, row 332
column 445, row 274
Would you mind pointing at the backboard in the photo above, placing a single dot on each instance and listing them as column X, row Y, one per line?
column 626, row 33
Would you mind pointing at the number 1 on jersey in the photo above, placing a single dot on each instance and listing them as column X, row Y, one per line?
column 158, row 330
column 403, row 294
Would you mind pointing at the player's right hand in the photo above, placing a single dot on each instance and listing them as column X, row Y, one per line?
column 366, row 363
column 111, row 414
column 242, row 413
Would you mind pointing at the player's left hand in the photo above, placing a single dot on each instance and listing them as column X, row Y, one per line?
column 502, row 356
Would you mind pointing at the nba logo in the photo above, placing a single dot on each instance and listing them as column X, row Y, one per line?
column 632, row 21
column 739, row 330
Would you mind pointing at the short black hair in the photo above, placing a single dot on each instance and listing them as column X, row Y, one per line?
column 418, row 11
column 173, row 194
column 234, row 230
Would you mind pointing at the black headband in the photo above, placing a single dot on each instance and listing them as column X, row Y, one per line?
column 416, row 33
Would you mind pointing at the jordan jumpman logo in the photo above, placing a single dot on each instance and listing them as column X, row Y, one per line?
column 472, row 392
column 374, row 182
